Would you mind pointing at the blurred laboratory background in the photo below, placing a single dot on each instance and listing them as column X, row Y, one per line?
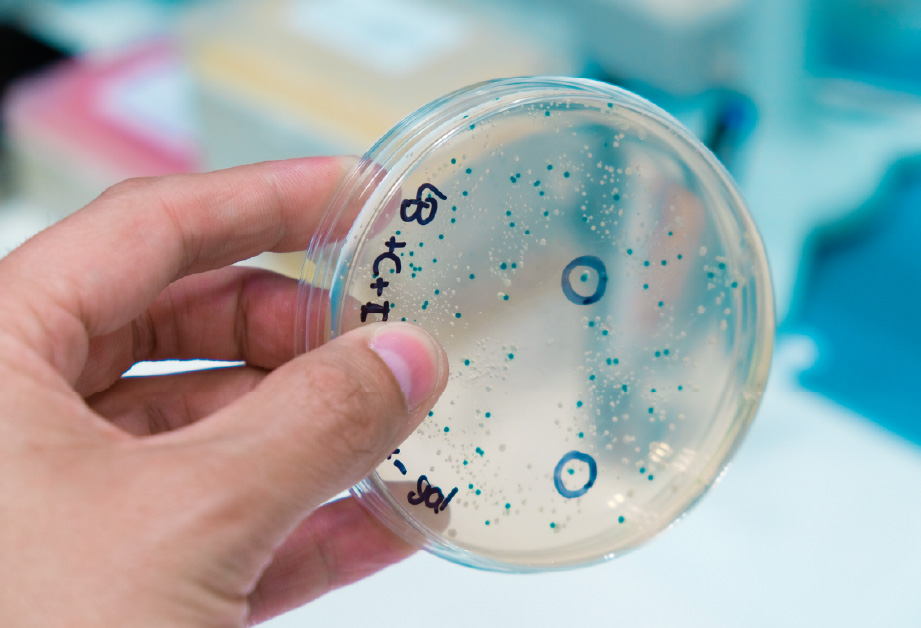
column 813, row 105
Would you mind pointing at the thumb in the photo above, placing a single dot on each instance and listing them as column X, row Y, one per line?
column 323, row 421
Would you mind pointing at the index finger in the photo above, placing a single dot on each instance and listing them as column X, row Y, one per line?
column 99, row 268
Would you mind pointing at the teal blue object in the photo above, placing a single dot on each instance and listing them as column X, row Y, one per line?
column 860, row 298
column 875, row 42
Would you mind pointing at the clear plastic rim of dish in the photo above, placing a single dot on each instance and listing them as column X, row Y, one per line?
column 380, row 172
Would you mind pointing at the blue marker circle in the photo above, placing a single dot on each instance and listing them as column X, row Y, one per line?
column 589, row 261
column 558, row 474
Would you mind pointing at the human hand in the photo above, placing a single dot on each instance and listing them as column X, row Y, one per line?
column 184, row 499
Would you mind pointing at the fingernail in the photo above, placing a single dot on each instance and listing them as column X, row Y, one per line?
column 414, row 358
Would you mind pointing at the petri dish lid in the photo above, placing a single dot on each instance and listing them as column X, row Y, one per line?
column 604, row 300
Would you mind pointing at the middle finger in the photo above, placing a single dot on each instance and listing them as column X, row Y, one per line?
column 144, row 406
column 232, row 314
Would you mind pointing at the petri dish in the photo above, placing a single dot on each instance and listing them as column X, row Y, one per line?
column 603, row 297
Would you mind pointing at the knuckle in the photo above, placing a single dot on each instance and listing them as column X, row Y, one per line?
column 355, row 408
column 128, row 188
column 158, row 196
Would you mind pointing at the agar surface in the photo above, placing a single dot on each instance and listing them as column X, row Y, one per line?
column 587, row 290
